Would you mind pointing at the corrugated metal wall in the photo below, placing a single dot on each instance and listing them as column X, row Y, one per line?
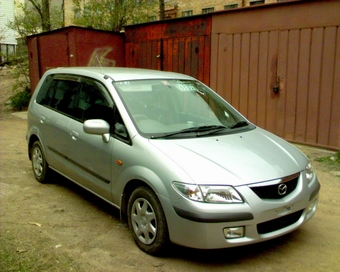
column 280, row 66
column 309, row 63
column 73, row 46
column 180, row 46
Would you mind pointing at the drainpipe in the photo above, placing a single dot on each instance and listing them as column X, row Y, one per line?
column 161, row 10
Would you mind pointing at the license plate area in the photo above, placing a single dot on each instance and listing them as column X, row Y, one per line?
column 284, row 210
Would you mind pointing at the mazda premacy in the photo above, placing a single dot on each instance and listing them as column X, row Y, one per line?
column 179, row 162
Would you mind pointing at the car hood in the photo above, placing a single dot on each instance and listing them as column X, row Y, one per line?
column 235, row 159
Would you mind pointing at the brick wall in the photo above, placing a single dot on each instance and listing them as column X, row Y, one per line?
column 197, row 6
column 176, row 7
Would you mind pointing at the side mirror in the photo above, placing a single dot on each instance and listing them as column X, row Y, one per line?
column 98, row 127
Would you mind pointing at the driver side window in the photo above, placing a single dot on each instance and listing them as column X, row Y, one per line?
column 95, row 103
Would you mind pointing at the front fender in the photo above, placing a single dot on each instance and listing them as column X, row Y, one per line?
column 135, row 176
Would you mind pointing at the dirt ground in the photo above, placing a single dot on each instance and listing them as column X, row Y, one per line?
column 61, row 227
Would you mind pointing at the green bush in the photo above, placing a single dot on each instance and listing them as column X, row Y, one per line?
column 20, row 100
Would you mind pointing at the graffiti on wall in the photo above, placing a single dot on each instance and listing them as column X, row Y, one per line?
column 99, row 57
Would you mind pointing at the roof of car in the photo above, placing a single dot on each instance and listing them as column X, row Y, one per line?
column 121, row 73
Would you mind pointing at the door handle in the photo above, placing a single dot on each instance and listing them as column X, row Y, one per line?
column 74, row 135
column 42, row 119
column 278, row 85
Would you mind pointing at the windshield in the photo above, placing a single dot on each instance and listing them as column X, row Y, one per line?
column 177, row 108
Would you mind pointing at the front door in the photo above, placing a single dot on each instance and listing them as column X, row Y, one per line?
column 89, row 155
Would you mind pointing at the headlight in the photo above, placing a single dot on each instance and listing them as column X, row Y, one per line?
column 208, row 194
column 191, row 191
column 309, row 172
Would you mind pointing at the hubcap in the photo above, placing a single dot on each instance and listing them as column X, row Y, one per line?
column 37, row 160
column 144, row 221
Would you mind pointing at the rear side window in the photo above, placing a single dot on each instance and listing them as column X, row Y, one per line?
column 79, row 97
column 42, row 95
column 63, row 96
column 60, row 93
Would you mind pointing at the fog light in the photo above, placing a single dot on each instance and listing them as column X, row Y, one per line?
column 234, row 232
column 311, row 207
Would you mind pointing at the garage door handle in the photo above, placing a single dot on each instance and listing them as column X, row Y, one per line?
column 74, row 135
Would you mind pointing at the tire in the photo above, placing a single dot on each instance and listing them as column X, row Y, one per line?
column 147, row 221
column 40, row 167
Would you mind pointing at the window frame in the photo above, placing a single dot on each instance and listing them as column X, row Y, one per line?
column 207, row 10
column 256, row 2
column 230, row 6
column 187, row 13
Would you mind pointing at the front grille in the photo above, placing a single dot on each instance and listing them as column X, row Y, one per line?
column 272, row 191
column 278, row 223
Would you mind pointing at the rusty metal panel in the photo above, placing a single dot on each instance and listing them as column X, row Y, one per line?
column 262, row 85
column 244, row 73
column 272, row 80
column 334, row 135
column 326, row 87
column 181, row 45
column 253, row 76
column 204, row 59
column 53, row 51
column 246, row 66
column 33, row 62
column 302, row 88
column 103, row 47
column 281, row 69
column 74, row 46
column 314, row 83
column 143, row 54
column 289, row 75
column 307, row 69
column 169, row 29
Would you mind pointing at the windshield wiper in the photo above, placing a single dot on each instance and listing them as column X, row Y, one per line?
column 212, row 130
column 198, row 130
column 239, row 124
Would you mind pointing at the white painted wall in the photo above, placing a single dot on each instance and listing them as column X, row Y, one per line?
column 7, row 15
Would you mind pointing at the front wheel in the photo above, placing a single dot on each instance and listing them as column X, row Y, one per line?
column 39, row 163
column 147, row 221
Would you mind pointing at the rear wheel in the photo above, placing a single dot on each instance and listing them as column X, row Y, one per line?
column 147, row 221
column 39, row 165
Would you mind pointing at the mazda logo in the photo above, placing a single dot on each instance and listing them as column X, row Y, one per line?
column 282, row 189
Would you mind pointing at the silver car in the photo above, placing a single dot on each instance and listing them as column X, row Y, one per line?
column 177, row 160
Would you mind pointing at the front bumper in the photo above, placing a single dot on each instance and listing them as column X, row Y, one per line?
column 204, row 226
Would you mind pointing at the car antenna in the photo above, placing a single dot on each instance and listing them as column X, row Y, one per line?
column 101, row 67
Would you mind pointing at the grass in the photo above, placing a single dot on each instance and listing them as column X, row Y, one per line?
column 15, row 256
column 11, row 259
column 332, row 163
